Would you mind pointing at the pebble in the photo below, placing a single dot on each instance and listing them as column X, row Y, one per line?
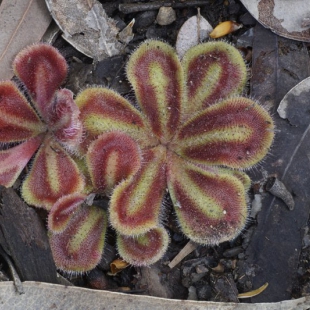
column 166, row 16
column 201, row 269
column 96, row 279
column 197, row 276
column 246, row 39
column 192, row 295
column 248, row 285
column 229, row 263
column 233, row 252
column 144, row 20
column 225, row 288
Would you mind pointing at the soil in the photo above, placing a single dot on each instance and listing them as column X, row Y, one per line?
column 216, row 273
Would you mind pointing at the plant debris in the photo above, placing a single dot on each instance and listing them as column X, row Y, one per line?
column 87, row 27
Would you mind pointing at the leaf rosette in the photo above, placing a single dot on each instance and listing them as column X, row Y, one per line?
column 195, row 135
column 37, row 118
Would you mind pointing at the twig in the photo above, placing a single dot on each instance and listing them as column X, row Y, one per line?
column 138, row 7
column 189, row 248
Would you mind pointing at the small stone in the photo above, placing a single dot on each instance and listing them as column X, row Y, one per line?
column 96, row 279
column 186, row 271
column 144, row 20
column 250, row 271
column 166, row 16
column 233, row 252
column 206, row 261
column 197, row 277
column 241, row 256
column 246, row 39
column 248, row 285
column 228, row 263
column 300, row 271
column 201, row 269
column 192, row 295
column 225, row 288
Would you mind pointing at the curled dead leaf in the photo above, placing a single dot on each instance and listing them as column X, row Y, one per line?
column 117, row 266
column 254, row 292
column 88, row 28
column 278, row 189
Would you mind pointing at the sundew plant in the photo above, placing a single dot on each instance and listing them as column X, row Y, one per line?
column 189, row 133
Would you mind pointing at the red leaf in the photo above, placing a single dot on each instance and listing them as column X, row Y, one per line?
column 143, row 250
column 210, row 204
column 156, row 75
column 79, row 247
column 136, row 202
column 42, row 69
column 53, row 175
column 105, row 110
column 236, row 132
column 63, row 211
column 14, row 160
column 213, row 71
column 18, row 120
column 111, row 158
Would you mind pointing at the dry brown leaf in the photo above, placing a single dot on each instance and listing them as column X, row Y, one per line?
column 22, row 22
column 117, row 266
column 87, row 27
